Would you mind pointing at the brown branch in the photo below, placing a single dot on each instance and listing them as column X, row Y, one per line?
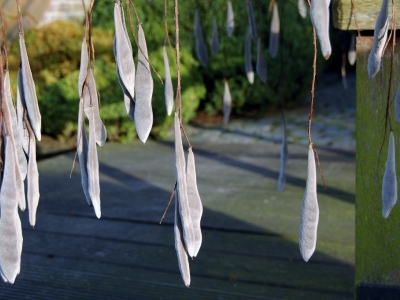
column 184, row 133
column 310, row 116
column 169, row 203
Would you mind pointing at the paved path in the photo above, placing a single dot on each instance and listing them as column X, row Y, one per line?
column 250, row 230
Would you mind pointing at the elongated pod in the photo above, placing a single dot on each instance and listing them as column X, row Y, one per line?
column 183, row 261
column 227, row 102
column 22, row 115
column 201, row 49
column 10, row 234
column 352, row 54
column 195, row 205
column 319, row 14
column 261, row 66
column 83, row 68
column 397, row 105
column 380, row 37
column 302, row 7
column 168, row 90
column 31, row 100
column 214, row 39
column 389, row 184
column 309, row 214
column 143, row 91
column 247, row 58
column 252, row 21
column 284, row 157
column 123, row 51
column 274, row 32
column 230, row 19
column 32, row 180
column 129, row 103
column 181, row 189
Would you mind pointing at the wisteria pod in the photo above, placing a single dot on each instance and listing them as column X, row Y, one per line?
column 129, row 103
column 22, row 115
column 284, row 158
column 247, row 58
column 83, row 67
column 168, row 90
column 32, row 180
column 143, row 91
column 302, row 7
column 352, row 54
column 309, row 214
column 274, row 32
column 380, row 37
column 227, row 102
column 201, row 49
column 214, row 43
column 261, row 66
column 389, row 184
column 230, row 19
column 252, row 21
column 397, row 105
column 319, row 14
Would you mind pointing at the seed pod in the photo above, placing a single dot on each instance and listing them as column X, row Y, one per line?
column 389, row 185
column 274, row 32
column 380, row 37
column 123, row 51
column 183, row 261
column 128, row 101
column 247, row 58
column 169, row 90
column 32, row 191
column 195, row 205
column 261, row 66
column 29, row 91
column 22, row 115
column 82, row 149
column 302, row 7
column 214, row 40
column 252, row 22
column 10, row 224
column 91, row 106
column 397, row 105
column 230, row 22
column 83, row 68
column 181, row 190
column 93, row 166
column 143, row 91
column 227, row 100
column 284, row 157
column 309, row 214
column 319, row 14
column 201, row 49
column 352, row 54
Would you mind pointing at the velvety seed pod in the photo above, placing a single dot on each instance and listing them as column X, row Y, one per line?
column 389, row 184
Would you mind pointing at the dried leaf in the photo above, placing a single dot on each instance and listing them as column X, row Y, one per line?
column 352, row 54
column 302, row 7
column 309, row 214
column 201, row 49
column 274, row 32
column 389, row 185
column 181, row 190
column 380, row 37
column 319, row 14
column 247, row 58
column 227, row 102
column 169, row 90
column 29, row 91
column 261, row 66
column 252, row 22
column 214, row 39
column 230, row 22
column 143, row 91
column 183, row 261
column 284, row 157
column 32, row 191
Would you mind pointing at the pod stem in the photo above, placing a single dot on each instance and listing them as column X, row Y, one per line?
column 166, row 25
column 169, row 203
column 353, row 12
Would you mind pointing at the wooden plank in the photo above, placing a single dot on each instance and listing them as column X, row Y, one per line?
column 365, row 13
column 377, row 239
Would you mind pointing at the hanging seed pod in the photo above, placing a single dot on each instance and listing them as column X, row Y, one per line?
column 10, row 224
column 274, row 32
column 302, row 7
column 380, row 37
column 319, row 14
column 230, row 22
column 183, row 261
column 93, row 166
column 247, row 58
column 227, row 102
column 181, row 190
column 143, row 91
column 31, row 101
column 252, row 22
column 32, row 180
column 352, row 54
column 21, row 115
column 397, row 105
column 261, row 66
column 83, row 68
column 201, row 49
column 129, row 103
column 123, row 52
column 309, row 214
column 169, row 90
column 284, row 158
column 91, row 107
column 195, row 205
column 389, row 185
column 214, row 40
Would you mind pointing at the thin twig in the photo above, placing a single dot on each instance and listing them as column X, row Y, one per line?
column 20, row 25
column 353, row 9
column 178, row 99
column 186, row 136
column 310, row 116
column 166, row 25
column 169, row 203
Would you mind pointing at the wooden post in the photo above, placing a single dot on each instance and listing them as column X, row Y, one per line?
column 377, row 239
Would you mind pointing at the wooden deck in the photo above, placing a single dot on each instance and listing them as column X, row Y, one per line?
column 249, row 250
